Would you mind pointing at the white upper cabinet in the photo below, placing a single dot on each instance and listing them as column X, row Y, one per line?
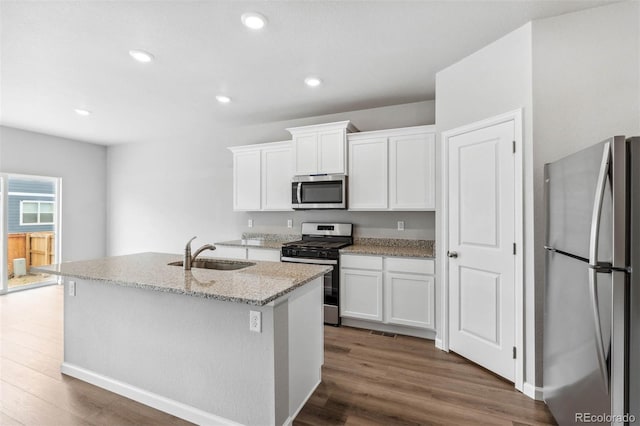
column 368, row 174
column 305, row 154
column 262, row 177
column 246, row 180
column 276, row 176
column 392, row 169
column 412, row 176
column 321, row 148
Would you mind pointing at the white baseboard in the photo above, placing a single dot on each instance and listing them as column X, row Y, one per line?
column 292, row 417
column 532, row 392
column 439, row 345
column 151, row 399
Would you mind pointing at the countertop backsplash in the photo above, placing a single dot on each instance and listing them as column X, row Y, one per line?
column 418, row 225
column 270, row 237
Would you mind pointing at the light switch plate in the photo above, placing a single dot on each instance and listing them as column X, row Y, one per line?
column 401, row 225
column 289, row 223
column 72, row 288
column 250, row 223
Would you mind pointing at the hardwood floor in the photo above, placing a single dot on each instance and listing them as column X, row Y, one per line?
column 367, row 380
column 370, row 379
column 32, row 390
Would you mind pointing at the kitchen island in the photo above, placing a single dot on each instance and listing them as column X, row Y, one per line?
column 180, row 341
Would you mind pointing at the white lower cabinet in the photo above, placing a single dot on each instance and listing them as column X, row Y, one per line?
column 408, row 299
column 246, row 253
column 389, row 290
column 361, row 294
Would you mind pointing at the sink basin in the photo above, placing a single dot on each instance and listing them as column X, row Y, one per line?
column 222, row 265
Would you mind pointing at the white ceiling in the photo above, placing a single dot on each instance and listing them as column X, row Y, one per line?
column 59, row 55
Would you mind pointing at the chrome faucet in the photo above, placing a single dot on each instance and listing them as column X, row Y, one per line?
column 188, row 259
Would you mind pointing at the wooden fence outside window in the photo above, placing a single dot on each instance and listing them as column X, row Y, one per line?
column 38, row 248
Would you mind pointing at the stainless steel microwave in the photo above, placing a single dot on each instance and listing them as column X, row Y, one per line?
column 319, row 192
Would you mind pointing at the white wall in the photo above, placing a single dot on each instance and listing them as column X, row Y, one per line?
column 161, row 195
column 82, row 167
column 586, row 88
column 578, row 78
column 492, row 81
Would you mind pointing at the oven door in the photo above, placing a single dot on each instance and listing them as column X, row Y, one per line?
column 331, row 287
column 319, row 192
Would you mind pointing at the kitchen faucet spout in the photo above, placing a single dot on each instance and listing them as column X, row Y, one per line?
column 188, row 259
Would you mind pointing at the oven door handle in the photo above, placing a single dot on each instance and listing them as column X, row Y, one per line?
column 311, row 261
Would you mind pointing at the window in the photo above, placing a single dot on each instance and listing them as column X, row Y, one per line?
column 36, row 212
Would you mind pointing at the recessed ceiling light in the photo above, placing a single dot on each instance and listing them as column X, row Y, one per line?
column 312, row 81
column 223, row 99
column 141, row 56
column 253, row 20
column 83, row 112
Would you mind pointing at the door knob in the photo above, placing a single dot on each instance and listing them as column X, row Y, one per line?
column 452, row 254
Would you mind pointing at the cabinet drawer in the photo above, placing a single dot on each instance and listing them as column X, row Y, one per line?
column 361, row 262
column 412, row 266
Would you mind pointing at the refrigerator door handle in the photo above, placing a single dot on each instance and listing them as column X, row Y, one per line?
column 602, row 359
column 594, row 263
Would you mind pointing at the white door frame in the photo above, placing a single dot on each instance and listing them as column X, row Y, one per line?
column 4, row 272
column 443, row 340
column 4, row 204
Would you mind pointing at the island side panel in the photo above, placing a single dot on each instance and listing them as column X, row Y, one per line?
column 281, row 360
column 299, row 348
column 192, row 350
column 306, row 344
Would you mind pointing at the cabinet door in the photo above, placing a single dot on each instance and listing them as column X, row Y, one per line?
column 246, row 180
column 230, row 252
column 270, row 255
column 305, row 154
column 368, row 174
column 331, row 152
column 276, row 178
column 361, row 294
column 412, row 172
column 409, row 300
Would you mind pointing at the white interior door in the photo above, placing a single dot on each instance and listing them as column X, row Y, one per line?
column 481, row 247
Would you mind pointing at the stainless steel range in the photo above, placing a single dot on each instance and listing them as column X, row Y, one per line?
column 320, row 244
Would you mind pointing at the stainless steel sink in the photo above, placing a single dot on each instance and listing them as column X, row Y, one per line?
column 222, row 265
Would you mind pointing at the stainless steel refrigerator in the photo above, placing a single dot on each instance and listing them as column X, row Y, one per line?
column 591, row 347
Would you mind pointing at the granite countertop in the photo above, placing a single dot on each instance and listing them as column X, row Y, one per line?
column 391, row 247
column 255, row 285
column 258, row 240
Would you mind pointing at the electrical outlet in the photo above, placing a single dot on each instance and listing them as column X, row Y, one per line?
column 401, row 225
column 255, row 321
column 72, row 288
column 289, row 223
column 250, row 223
